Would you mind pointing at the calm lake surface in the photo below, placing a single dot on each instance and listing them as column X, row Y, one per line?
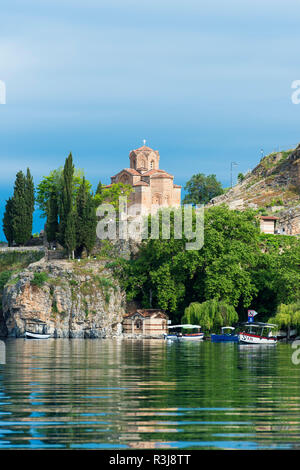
column 123, row 394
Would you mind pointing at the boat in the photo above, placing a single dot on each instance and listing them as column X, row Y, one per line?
column 258, row 333
column 227, row 335
column 180, row 333
column 30, row 335
column 38, row 330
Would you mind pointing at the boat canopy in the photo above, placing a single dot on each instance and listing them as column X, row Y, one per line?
column 260, row 325
column 184, row 326
column 227, row 328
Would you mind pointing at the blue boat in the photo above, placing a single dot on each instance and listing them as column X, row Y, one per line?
column 226, row 336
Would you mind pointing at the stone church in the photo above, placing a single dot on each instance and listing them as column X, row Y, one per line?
column 153, row 188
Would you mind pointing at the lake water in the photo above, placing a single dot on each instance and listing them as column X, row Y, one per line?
column 123, row 394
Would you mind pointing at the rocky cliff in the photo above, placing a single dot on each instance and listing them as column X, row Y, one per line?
column 273, row 188
column 69, row 298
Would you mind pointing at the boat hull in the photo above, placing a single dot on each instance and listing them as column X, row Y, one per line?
column 224, row 338
column 249, row 338
column 35, row 335
column 192, row 337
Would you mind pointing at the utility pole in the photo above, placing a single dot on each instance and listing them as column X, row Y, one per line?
column 232, row 164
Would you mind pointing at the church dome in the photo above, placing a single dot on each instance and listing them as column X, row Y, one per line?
column 144, row 158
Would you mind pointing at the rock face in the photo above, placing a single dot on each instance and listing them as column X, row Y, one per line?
column 273, row 186
column 72, row 299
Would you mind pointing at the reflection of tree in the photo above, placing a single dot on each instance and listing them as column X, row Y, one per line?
column 148, row 392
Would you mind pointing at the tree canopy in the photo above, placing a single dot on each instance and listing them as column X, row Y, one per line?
column 200, row 189
column 237, row 266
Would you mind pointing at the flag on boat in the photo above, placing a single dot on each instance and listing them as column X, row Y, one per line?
column 251, row 315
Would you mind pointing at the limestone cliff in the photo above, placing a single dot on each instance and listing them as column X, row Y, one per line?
column 72, row 299
column 272, row 187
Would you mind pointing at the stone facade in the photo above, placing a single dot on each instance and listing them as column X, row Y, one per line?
column 146, row 323
column 153, row 188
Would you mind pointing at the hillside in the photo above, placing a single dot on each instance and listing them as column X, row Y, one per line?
column 272, row 188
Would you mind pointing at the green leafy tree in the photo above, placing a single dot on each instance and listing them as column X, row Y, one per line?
column 222, row 270
column 200, row 189
column 210, row 314
column 112, row 194
column 287, row 316
column 53, row 183
column 240, row 177
column 7, row 222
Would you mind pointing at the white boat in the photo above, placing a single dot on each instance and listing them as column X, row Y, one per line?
column 179, row 333
column 258, row 333
column 28, row 334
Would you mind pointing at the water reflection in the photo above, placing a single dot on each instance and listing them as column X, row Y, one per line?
column 147, row 394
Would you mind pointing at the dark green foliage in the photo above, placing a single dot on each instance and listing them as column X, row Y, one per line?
column 21, row 219
column 70, row 234
column 86, row 220
column 4, row 278
column 237, row 265
column 99, row 188
column 200, row 189
column 240, row 177
column 90, row 221
column 29, row 197
column 52, row 218
column 39, row 279
column 65, row 196
column 7, row 222
column 66, row 224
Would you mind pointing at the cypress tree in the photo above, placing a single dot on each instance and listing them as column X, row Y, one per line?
column 99, row 188
column 66, row 207
column 86, row 219
column 20, row 219
column 52, row 218
column 29, row 195
column 7, row 221
column 90, row 224
column 70, row 235
column 80, row 215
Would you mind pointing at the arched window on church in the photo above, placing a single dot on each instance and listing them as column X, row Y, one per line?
column 152, row 165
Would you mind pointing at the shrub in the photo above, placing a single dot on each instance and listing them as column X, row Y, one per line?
column 4, row 278
column 39, row 279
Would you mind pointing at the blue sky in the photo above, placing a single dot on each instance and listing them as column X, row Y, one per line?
column 205, row 83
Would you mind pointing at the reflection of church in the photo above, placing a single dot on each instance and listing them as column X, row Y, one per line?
column 152, row 186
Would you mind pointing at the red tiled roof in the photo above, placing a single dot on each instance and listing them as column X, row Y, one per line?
column 132, row 171
column 147, row 313
column 269, row 217
column 176, row 186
